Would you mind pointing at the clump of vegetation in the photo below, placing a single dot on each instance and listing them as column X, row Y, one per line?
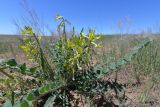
column 71, row 71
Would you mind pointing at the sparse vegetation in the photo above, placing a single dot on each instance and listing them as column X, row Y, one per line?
column 81, row 70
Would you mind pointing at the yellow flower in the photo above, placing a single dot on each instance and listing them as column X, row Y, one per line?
column 69, row 44
column 39, row 38
column 83, row 42
column 31, row 60
column 80, row 50
column 91, row 36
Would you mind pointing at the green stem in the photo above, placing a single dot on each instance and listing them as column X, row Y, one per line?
column 12, row 97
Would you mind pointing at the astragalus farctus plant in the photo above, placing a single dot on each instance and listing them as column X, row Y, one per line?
column 70, row 72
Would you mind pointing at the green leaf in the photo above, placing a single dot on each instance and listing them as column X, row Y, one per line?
column 50, row 101
column 33, row 70
column 30, row 97
column 12, row 62
column 121, row 62
column 24, row 104
column 47, row 88
column 112, row 66
column 23, row 68
column 128, row 57
column 42, row 90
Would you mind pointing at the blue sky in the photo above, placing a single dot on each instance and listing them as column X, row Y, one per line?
column 102, row 15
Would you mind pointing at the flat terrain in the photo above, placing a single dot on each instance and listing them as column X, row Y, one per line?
column 141, row 79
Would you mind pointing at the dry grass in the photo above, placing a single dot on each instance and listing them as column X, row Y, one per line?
column 113, row 49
